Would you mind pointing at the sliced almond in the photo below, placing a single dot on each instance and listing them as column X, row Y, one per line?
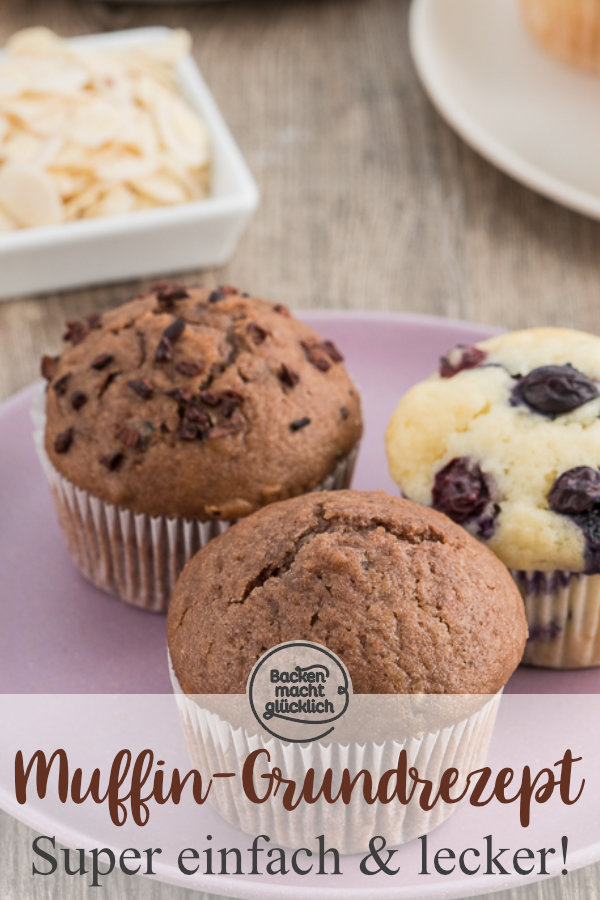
column 161, row 188
column 95, row 123
column 69, row 184
column 29, row 195
column 36, row 41
column 116, row 201
column 21, row 146
column 182, row 131
column 170, row 49
column 76, row 206
column 123, row 166
column 6, row 223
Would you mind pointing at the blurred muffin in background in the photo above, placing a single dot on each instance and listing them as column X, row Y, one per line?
column 569, row 29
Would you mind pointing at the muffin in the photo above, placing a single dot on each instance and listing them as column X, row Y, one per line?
column 569, row 29
column 410, row 603
column 505, row 439
column 179, row 412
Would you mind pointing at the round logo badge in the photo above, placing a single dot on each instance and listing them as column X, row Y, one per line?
column 298, row 690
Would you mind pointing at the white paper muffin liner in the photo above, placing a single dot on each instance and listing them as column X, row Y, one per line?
column 134, row 556
column 563, row 616
column 217, row 745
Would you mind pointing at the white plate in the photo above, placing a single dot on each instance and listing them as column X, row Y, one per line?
column 532, row 116
column 150, row 242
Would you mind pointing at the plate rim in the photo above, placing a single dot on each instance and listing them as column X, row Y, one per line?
column 475, row 135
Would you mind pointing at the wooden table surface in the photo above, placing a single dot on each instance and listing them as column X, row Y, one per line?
column 368, row 201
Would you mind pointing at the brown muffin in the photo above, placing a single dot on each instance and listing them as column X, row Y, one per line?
column 179, row 412
column 206, row 405
column 407, row 599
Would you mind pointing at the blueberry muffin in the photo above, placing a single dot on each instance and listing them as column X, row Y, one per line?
column 181, row 411
column 505, row 439
column 409, row 602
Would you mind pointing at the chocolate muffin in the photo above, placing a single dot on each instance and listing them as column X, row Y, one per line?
column 189, row 408
column 408, row 600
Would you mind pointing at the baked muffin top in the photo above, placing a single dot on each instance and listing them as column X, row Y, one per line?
column 197, row 403
column 505, row 439
column 408, row 600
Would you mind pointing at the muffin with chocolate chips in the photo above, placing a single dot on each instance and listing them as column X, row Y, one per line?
column 180, row 412
column 505, row 439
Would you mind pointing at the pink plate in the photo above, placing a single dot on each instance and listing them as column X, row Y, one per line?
column 60, row 635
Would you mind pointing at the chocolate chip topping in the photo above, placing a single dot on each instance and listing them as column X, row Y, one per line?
column 188, row 432
column 196, row 416
column 48, row 366
column 189, row 367
column 460, row 358
column 316, row 355
column 112, row 461
column 553, row 390
column 76, row 331
column 102, row 361
column 321, row 354
column 223, row 429
column 63, row 441
column 94, row 320
column 288, row 376
column 78, row 399
column 230, row 400
column 461, row 490
column 209, row 399
column 181, row 394
column 128, row 436
column 300, row 423
column 167, row 295
column 256, row 333
column 215, row 296
column 60, row 385
column 174, row 331
column 171, row 334
column 334, row 354
column 142, row 387
column 227, row 401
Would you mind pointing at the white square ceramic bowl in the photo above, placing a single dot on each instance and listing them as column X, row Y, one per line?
column 146, row 243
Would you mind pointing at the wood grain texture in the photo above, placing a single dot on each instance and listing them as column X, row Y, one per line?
column 368, row 201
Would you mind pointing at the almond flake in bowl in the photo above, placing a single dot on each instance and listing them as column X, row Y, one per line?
column 95, row 132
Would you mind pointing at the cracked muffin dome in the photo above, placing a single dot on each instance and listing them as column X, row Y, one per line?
column 505, row 439
column 199, row 404
column 407, row 599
